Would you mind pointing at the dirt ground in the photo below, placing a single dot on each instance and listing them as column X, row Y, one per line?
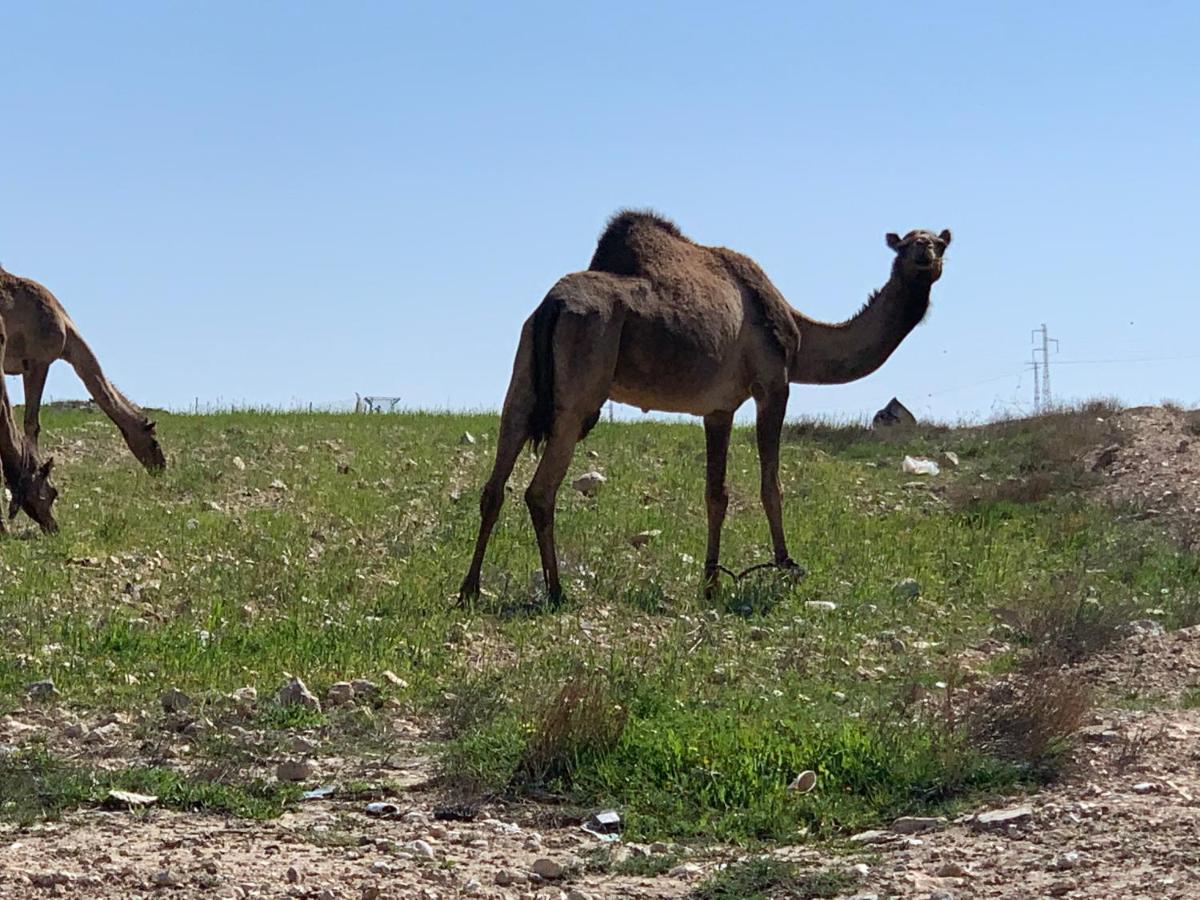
column 1124, row 823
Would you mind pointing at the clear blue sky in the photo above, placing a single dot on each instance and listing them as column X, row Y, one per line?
column 278, row 202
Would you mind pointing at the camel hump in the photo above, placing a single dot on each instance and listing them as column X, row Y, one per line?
column 617, row 250
column 895, row 413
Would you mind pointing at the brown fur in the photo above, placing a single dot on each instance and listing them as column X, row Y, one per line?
column 28, row 481
column 40, row 332
column 661, row 322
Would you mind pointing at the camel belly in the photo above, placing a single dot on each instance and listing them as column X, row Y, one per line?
column 685, row 374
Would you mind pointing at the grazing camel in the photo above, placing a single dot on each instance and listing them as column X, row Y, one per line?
column 39, row 332
column 663, row 323
column 28, row 482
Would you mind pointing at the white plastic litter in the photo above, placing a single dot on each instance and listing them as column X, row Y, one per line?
column 916, row 465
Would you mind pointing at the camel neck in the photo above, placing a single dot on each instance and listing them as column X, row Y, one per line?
column 836, row 353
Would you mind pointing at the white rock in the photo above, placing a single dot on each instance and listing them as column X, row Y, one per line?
column 1145, row 787
column 872, row 836
column 686, row 870
column 239, row 463
column 1068, row 860
column 420, row 848
column 296, row 693
column 999, row 818
column 820, row 605
column 642, row 538
column 394, row 680
column 102, row 734
column 588, row 483
column 244, row 696
column 467, row 439
column 859, row 870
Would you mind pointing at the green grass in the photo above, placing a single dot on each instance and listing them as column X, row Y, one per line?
column 697, row 713
column 36, row 785
column 771, row 879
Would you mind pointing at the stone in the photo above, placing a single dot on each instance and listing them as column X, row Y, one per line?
column 296, row 693
column 339, row 693
column 420, row 848
column 295, row 770
column 102, row 733
column 473, row 887
column 907, row 589
column 577, row 895
column 302, row 744
column 1145, row 787
column 364, row 687
column 75, row 730
column 547, row 868
column 174, row 700
column 954, row 870
column 41, row 690
column 128, row 800
column 685, row 870
column 588, row 483
column 394, row 680
column 1145, row 628
column 239, row 463
column 165, row 878
column 859, row 871
column 941, row 895
column 244, row 696
column 642, row 538
column 467, row 439
column 1066, row 861
column 918, row 824
column 872, row 836
column 820, row 605
column 1002, row 818
column 292, row 875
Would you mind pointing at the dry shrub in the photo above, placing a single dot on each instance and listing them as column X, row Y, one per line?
column 583, row 719
column 1050, row 455
column 1063, row 624
column 1029, row 718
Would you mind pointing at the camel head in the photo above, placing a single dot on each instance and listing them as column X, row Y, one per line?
column 144, row 443
column 34, row 493
column 919, row 254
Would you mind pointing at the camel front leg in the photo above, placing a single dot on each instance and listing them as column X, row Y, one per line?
column 772, row 406
column 717, row 428
column 34, row 379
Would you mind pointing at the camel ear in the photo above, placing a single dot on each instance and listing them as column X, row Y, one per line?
column 44, row 471
column 149, row 426
column 945, row 238
column 893, row 240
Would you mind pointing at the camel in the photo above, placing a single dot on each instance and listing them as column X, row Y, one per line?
column 660, row 322
column 28, row 481
column 40, row 332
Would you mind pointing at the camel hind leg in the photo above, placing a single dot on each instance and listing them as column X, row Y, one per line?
column 514, row 432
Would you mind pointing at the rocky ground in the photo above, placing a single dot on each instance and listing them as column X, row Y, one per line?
column 1155, row 468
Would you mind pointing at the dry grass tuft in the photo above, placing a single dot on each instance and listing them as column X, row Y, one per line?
column 582, row 720
column 1029, row 718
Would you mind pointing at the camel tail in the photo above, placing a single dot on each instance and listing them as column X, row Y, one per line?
column 541, row 420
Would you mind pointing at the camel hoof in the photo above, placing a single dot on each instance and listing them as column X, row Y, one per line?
column 793, row 568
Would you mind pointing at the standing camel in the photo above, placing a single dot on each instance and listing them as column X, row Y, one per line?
column 660, row 322
column 40, row 332
column 28, row 481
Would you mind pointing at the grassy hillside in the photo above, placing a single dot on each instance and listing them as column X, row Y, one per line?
column 329, row 547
